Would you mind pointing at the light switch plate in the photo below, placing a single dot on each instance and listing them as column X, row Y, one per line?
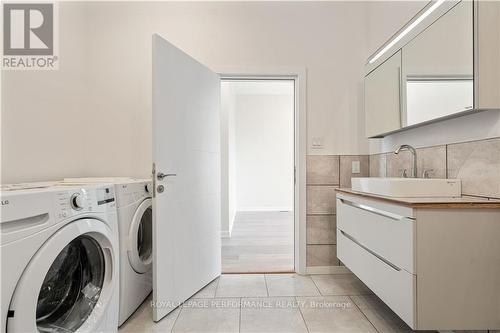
column 355, row 167
column 318, row 142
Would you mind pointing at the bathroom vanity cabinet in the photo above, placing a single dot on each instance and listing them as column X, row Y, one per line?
column 435, row 262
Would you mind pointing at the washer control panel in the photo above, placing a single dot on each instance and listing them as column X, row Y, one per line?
column 77, row 201
column 41, row 208
column 148, row 188
column 74, row 201
column 130, row 193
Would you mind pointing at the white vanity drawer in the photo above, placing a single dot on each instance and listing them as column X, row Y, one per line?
column 380, row 229
column 395, row 287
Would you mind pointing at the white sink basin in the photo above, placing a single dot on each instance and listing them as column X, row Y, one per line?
column 408, row 187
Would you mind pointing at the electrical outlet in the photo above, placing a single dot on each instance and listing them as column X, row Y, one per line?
column 355, row 166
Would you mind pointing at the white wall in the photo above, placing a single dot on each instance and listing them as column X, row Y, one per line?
column 93, row 117
column 231, row 174
column 384, row 19
column 228, row 159
column 469, row 128
column 44, row 120
column 264, row 138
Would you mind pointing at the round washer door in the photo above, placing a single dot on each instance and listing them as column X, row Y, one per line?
column 68, row 284
column 140, row 243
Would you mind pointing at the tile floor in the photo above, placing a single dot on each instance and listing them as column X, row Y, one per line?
column 265, row 303
column 260, row 242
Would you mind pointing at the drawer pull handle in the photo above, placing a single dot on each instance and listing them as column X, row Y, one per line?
column 355, row 241
column 373, row 210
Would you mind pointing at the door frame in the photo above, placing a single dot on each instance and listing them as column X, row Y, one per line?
column 299, row 76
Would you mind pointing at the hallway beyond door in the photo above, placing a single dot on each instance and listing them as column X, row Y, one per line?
column 260, row 242
column 258, row 175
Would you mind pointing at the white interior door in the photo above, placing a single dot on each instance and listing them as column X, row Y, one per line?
column 186, row 214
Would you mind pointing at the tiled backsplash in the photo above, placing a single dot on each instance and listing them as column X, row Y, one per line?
column 476, row 163
column 346, row 168
column 432, row 159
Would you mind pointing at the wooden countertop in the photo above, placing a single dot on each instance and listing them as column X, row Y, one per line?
column 434, row 203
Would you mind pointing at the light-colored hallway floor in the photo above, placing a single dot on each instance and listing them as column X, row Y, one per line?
column 265, row 303
column 260, row 242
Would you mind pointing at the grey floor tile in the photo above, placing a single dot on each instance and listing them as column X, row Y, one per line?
column 209, row 316
column 340, row 284
column 142, row 321
column 262, row 315
column 333, row 314
column 290, row 285
column 380, row 315
column 242, row 285
column 208, row 291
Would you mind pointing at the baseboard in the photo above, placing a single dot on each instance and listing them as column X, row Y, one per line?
column 328, row 270
column 265, row 209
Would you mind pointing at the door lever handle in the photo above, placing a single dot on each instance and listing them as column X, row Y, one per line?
column 162, row 175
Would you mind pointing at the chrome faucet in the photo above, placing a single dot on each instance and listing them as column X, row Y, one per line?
column 414, row 155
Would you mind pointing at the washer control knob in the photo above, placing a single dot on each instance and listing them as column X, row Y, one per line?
column 147, row 187
column 76, row 201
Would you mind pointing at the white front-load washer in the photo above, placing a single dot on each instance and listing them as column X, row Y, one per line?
column 135, row 220
column 59, row 259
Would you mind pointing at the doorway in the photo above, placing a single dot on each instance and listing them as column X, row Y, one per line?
column 258, row 175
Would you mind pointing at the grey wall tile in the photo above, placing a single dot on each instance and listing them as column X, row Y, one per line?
column 477, row 164
column 321, row 200
column 322, row 255
column 378, row 164
column 432, row 158
column 397, row 163
column 346, row 168
column 323, row 176
column 322, row 169
column 321, row 229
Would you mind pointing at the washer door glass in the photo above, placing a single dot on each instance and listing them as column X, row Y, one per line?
column 71, row 287
column 140, row 248
column 145, row 235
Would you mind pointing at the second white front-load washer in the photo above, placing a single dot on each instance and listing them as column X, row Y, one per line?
column 135, row 220
column 59, row 260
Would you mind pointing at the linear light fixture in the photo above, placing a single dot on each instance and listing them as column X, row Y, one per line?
column 406, row 30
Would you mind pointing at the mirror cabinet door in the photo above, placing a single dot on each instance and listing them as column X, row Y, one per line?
column 437, row 68
column 383, row 97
